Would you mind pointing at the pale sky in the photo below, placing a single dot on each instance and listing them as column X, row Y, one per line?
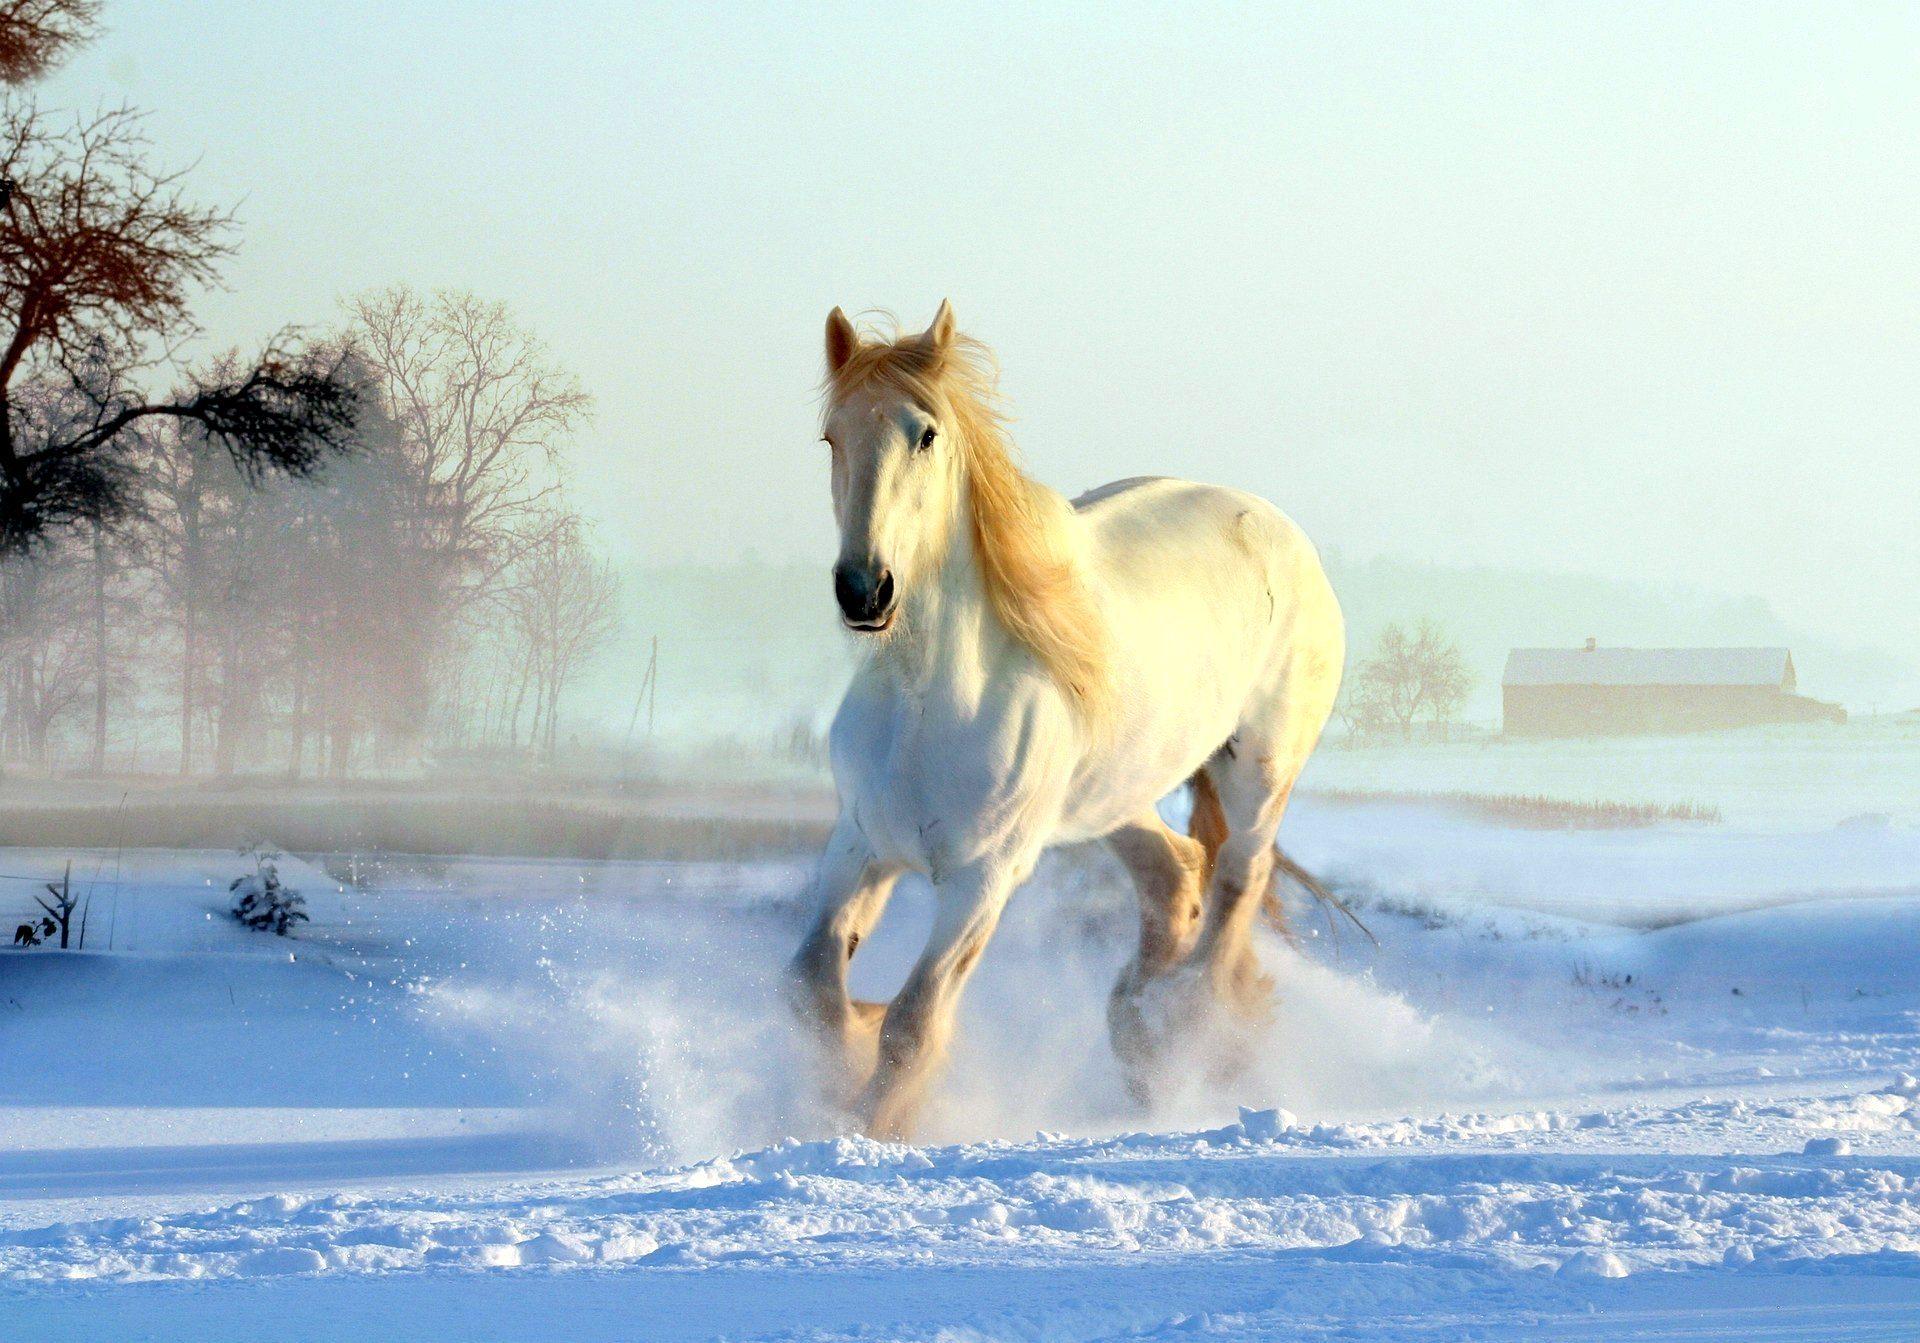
column 1632, row 290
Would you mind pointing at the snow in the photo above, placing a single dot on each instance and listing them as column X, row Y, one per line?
column 1790, row 777
column 1479, row 1190
column 1592, row 1085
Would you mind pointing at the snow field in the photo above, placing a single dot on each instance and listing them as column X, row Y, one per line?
column 1589, row 1194
column 480, row 1096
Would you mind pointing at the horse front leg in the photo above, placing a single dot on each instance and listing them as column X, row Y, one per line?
column 919, row 1022
column 850, row 889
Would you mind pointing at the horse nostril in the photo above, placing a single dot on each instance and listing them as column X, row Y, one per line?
column 847, row 592
column 883, row 594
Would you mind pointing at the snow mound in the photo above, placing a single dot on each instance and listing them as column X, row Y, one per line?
column 1504, row 1196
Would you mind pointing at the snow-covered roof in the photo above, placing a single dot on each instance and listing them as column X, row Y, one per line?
column 1649, row 666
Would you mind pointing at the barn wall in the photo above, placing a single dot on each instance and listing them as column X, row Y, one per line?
column 1605, row 710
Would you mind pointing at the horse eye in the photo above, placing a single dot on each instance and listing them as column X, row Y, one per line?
column 926, row 439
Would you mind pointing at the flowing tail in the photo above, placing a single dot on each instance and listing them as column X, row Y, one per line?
column 1208, row 824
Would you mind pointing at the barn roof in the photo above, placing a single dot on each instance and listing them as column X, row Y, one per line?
column 1649, row 666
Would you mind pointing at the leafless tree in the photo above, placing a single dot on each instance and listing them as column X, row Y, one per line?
column 564, row 606
column 113, row 610
column 180, row 513
column 227, row 561
column 1408, row 675
column 99, row 255
column 353, row 607
column 481, row 412
column 1449, row 681
column 37, row 35
column 43, row 649
column 60, row 912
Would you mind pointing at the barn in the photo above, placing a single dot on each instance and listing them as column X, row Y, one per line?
column 1594, row 691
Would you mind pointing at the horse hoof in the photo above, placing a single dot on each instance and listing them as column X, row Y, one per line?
column 1151, row 1023
column 1137, row 1047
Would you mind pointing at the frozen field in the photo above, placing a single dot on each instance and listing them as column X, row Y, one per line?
column 1647, row 1084
column 1786, row 777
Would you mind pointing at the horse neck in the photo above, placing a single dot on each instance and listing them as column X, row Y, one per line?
column 948, row 629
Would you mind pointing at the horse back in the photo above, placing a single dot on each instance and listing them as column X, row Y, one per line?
column 1209, row 585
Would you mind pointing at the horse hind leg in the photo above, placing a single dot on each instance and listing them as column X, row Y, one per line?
column 1253, row 788
column 1169, row 871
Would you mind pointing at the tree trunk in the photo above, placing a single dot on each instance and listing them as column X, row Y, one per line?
column 227, row 711
column 519, row 705
column 339, row 740
column 99, row 649
column 537, row 730
column 189, row 659
column 224, row 731
column 297, row 721
column 37, row 723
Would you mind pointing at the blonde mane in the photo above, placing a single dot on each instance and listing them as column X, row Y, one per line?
column 1021, row 541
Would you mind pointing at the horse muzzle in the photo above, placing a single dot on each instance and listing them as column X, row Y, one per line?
column 865, row 595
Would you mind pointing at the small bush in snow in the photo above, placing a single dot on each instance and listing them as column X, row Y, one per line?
column 260, row 900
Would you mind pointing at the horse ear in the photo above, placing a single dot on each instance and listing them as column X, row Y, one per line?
column 940, row 334
column 842, row 340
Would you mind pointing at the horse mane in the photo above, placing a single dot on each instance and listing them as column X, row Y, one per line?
column 1021, row 531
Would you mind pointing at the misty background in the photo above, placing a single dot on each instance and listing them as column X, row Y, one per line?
column 1545, row 322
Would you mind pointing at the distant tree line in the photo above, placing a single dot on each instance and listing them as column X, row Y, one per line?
column 333, row 552
column 428, row 590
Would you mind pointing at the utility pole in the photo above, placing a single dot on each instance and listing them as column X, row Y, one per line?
column 645, row 696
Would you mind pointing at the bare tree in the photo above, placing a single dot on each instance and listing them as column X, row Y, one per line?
column 108, row 564
column 564, row 606
column 61, row 911
column 1408, row 675
column 1448, row 681
column 228, row 560
column 99, row 254
column 180, row 513
column 299, row 610
column 481, row 412
column 353, row 604
column 37, row 35
column 43, row 650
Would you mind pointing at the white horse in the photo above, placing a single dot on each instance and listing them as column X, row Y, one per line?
column 1041, row 672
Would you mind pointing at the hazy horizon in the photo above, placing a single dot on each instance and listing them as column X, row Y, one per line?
column 1599, row 291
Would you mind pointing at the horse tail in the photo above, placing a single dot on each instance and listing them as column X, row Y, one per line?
column 1311, row 885
column 1208, row 824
